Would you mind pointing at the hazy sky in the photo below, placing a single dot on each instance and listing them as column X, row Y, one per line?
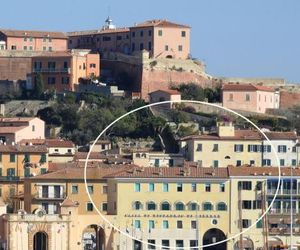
column 250, row 38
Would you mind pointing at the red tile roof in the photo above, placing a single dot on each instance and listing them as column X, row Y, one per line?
column 11, row 130
column 23, row 149
column 97, row 32
column 169, row 91
column 17, row 119
column 245, row 87
column 35, row 34
column 262, row 171
column 57, row 143
column 160, row 23
column 69, row 203
column 32, row 141
column 281, row 135
column 239, row 135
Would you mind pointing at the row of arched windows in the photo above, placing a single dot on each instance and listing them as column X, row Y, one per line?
column 179, row 206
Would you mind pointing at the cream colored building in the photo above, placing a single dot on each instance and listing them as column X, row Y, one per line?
column 157, row 159
column 228, row 146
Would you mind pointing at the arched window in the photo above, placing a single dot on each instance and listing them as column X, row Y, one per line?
column 207, row 206
column 151, row 205
column 179, row 206
column 221, row 206
column 193, row 206
column 40, row 241
column 165, row 206
column 137, row 205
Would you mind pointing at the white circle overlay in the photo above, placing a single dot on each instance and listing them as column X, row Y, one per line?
column 173, row 102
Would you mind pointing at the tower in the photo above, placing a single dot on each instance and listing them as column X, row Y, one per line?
column 109, row 24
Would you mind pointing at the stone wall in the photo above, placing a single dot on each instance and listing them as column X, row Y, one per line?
column 14, row 68
column 289, row 99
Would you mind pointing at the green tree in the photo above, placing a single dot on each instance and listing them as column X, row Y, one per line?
column 38, row 89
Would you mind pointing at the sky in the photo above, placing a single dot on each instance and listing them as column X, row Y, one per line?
column 234, row 38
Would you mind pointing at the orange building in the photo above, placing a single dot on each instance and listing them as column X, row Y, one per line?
column 160, row 37
column 63, row 70
column 26, row 40
column 16, row 163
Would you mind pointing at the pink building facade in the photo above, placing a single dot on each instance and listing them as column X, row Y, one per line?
column 160, row 37
column 13, row 130
column 249, row 97
column 23, row 40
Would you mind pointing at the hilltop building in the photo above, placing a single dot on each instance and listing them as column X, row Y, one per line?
column 250, row 97
column 161, row 38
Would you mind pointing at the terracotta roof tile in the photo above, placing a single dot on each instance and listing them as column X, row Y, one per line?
column 97, row 32
column 17, row 119
column 262, row 171
column 245, row 87
column 160, row 23
column 11, row 130
column 23, row 149
column 169, row 91
column 59, row 143
column 239, row 135
column 69, row 203
column 32, row 33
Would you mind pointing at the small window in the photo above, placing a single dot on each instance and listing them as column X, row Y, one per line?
column 160, row 33
column 75, row 189
column 104, row 206
column 165, row 187
column 194, row 187
column 207, row 206
column 137, row 205
column 12, row 158
column 142, row 33
column 215, row 164
column 165, row 224
column 247, row 97
column 179, row 206
column 33, row 128
column 165, row 206
column 222, row 187
column 246, row 223
column 137, row 187
column 25, row 48
column 151, row 224
column 151, row 244
column 179, row 187
column 282, row 162
column 141, row 46
column 89, row 207
column 193, row 224
column 137, row 224
column 151, row 187
column 151, row 205
column 166, row 48
column 207, row 187
column 215, row 148
column 180, row 47
column 245, row 185
column 104, row 189
column 91, row 189
column 179, row 224
column 199, row 147
column 183, row 33
column 221, row 206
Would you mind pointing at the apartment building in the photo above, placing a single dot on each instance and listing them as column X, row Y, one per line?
column 27, row 40
column 13, row 130
column 64, row 70
column 161, row 38
column 252, row 191
column 231, row 146
column 170, row 207
column 250, row 97
column 157, row 159
column 16, row 163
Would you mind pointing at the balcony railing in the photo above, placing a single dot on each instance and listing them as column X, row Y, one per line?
column 47, row 196
column 9, row 178
column 282, row 211
column 283, row 231
column 52, row 70
column 283, row 192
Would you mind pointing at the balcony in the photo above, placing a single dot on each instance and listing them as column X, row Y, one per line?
column 283, row 192
column 284, row 231
column 47, row 196
column 281, row 211
column 9, row 178
column 52, row 70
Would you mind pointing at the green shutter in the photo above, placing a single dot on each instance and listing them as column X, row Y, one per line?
column 27, row 172
column 12, row 158
column 43, row 158
column 26, row 158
